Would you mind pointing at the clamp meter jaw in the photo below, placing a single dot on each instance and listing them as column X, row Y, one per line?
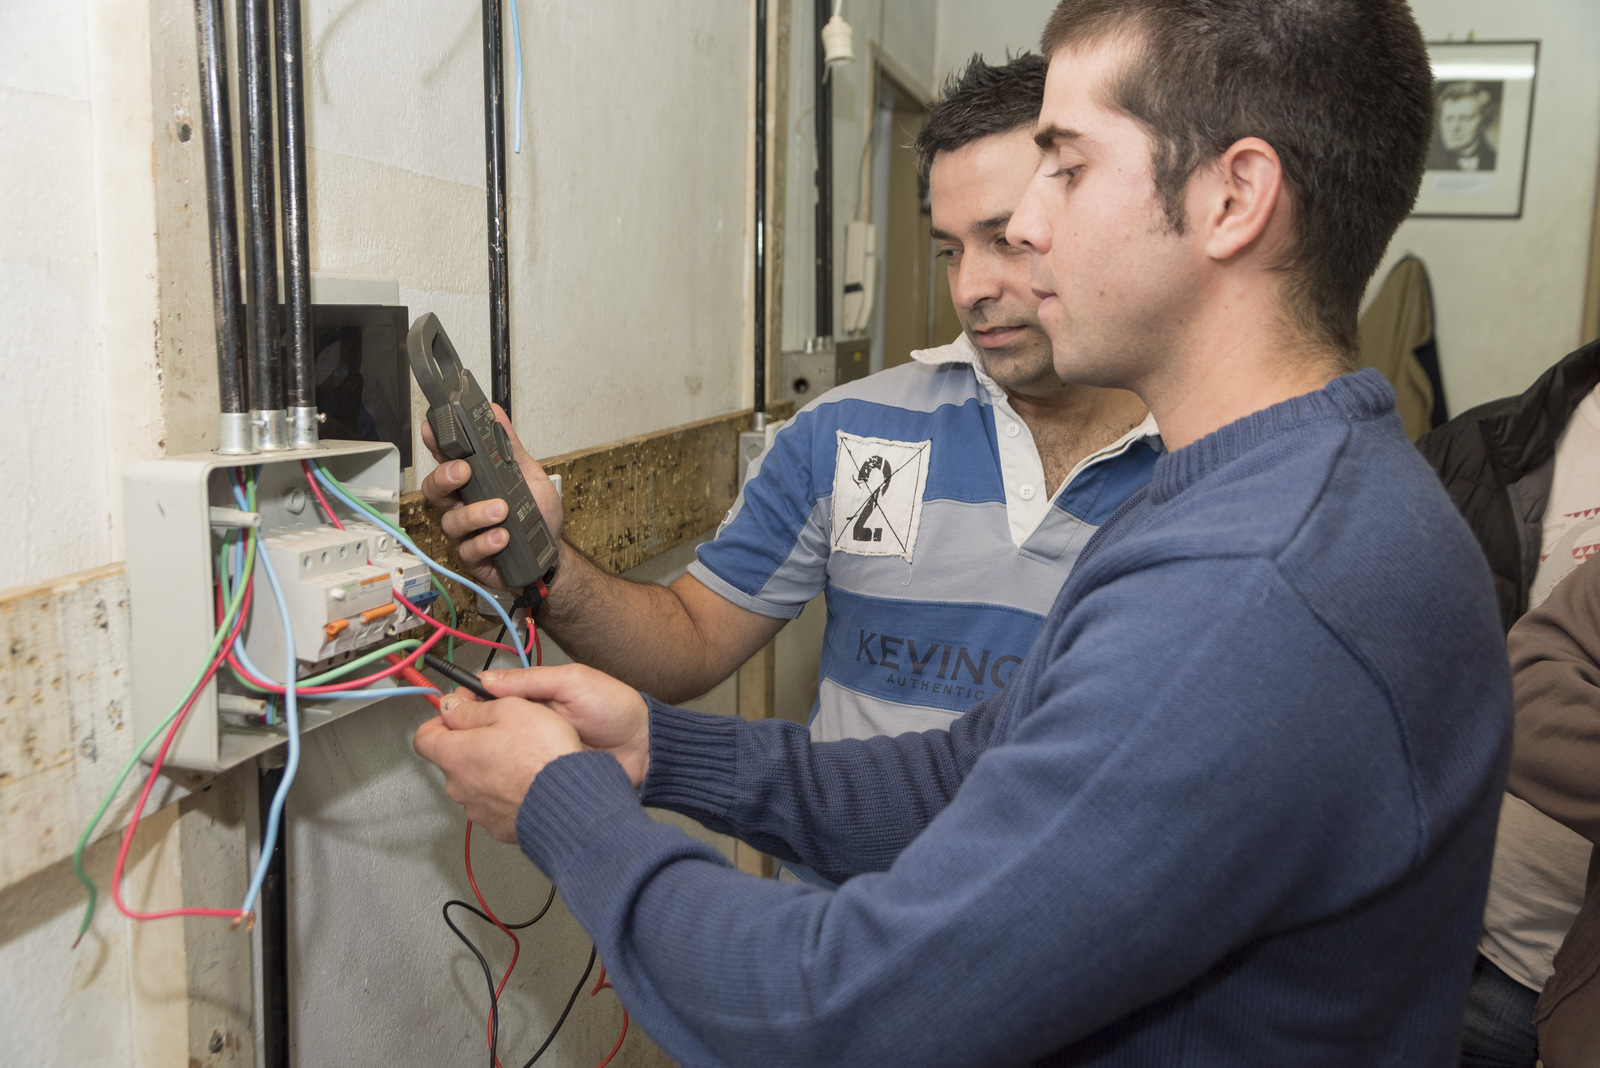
column 464, row 428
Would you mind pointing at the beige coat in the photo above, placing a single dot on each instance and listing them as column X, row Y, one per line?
column 1399, row 319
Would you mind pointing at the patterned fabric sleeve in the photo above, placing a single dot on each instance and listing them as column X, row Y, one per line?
column 770, row 555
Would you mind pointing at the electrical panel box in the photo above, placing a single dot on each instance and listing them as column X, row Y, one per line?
column 340, row 588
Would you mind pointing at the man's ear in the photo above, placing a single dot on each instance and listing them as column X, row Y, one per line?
column 1240, row 197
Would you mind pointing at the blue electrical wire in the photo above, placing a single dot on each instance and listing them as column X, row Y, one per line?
column 516, row 45
column 291, row 712
column 337, row 695
column 291, row 709
column 400, row 536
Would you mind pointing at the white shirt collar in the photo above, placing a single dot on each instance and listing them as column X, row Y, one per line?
column 962, row 350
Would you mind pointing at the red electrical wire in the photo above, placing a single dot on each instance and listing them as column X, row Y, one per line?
column 445, row 628
column 155, row 771
column 414, row 677
column 312, row 482
column 334, row 687
column 516, row 946
column 603, row 984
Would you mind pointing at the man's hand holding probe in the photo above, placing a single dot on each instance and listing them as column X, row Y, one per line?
column 490, row 751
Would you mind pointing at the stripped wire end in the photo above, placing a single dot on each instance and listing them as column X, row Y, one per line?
column 75, row 941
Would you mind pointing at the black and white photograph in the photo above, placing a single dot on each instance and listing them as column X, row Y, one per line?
column 1466, row 133
column 1483, row 106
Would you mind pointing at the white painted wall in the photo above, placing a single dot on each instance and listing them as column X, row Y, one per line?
column 628, row 216
column 989, row 29
column 904, row 31
column 51, row 359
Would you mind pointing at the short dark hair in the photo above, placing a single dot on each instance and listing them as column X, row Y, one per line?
column 1341, row 89
column 979, row 100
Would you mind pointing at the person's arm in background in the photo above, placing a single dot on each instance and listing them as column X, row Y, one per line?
column 675, row 642
column 1555, row 663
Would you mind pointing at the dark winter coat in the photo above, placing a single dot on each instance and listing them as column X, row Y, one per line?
column 1497, row 461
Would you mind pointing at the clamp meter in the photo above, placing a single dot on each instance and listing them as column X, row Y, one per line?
column 464, row 428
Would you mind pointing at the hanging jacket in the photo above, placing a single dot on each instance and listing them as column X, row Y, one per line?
column 1397, row 338
column 1498, row 460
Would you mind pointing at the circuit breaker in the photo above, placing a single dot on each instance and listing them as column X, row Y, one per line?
column 339, row 586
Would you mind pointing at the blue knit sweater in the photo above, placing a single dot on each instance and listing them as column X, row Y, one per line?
column 1236, row 807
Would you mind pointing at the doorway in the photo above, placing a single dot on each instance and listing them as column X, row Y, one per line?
column 915, row 311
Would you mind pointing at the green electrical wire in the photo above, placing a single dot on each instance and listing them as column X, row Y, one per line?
column 222, row 631
column 450, row 639
column 404, row 645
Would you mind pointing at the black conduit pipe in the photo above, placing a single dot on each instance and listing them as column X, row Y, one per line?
column 221, row 210
column 824, row 121
column 272, row 915
column 494, row 143
column 260, row 231
column 761, row 208
column 302, row 386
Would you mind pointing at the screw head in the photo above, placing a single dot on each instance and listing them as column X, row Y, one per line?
column 215, row 1045
column 184, row 133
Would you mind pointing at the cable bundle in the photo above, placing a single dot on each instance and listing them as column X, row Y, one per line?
column 235, row 568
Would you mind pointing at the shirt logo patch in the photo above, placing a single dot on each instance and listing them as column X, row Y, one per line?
column 877, row 495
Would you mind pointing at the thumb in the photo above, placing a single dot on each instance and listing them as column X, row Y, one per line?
column 500, row 416
column 460, row 714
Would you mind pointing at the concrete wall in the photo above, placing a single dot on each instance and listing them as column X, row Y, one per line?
column 1509, row 292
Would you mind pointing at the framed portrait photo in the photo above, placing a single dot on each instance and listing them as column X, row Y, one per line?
column 1478, row 159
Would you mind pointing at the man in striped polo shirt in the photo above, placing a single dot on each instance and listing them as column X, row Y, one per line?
column 939, row 504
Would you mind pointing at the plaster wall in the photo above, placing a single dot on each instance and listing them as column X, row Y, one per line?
column 627, row 205
column 1509, row 292
column 61, row 209
column 904, row 33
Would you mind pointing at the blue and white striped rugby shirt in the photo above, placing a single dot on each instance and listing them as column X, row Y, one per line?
column 916, row 498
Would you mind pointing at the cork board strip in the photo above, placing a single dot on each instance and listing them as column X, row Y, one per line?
column 624, row 502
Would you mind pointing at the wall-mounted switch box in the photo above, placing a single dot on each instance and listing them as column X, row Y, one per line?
column 339, row 587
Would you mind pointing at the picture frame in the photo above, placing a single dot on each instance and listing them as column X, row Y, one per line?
column 1478, row 157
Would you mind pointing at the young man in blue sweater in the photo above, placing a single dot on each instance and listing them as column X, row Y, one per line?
column 1237, row 804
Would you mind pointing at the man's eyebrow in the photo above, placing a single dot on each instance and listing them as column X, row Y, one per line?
column 1049, row 136
column 992, row 223
column 979, row 228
